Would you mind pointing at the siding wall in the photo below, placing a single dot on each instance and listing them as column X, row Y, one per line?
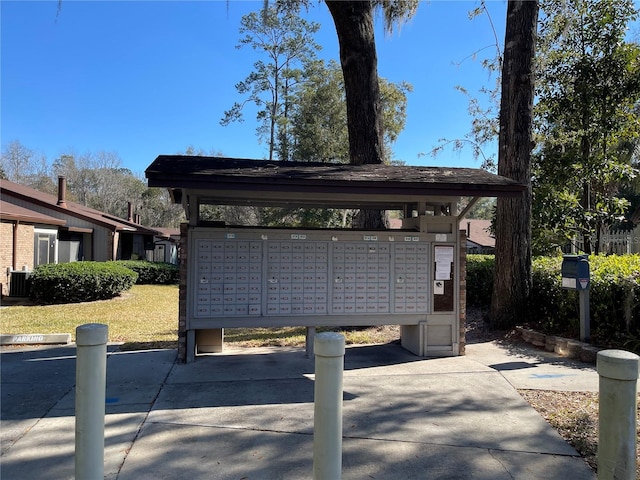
column 102, row 248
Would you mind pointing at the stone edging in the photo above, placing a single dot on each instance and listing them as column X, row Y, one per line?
column 566, row 347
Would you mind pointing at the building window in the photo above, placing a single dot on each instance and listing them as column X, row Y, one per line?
column 70, row 247
column 45, row 243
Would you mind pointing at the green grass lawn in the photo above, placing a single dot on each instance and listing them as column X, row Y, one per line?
column 147, row 317
column 146, row 314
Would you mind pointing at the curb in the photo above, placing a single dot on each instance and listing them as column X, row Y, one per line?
column 35, row 339
column 565, row 347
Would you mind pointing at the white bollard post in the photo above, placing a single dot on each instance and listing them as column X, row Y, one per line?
column 91, row 373
column 618, row 371
column 327, row 425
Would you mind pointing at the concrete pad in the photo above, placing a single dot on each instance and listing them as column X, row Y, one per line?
column 12, row 430
column 480, row 410
column 48, row 451
column 232, row 453
column 249, row 414
column 524, row 466
column 409, row 460
column 526, row 367
column 457, row 409
column 240, row 364
column 275, row 363
column 386, row 359
column 217, row 453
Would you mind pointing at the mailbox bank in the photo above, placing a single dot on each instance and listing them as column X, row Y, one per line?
column 233, row 276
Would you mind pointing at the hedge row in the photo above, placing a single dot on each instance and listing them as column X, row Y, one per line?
column 79, row 281
column 614, row 297
column 150, row 273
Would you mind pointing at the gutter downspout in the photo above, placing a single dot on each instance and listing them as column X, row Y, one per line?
column 14, row 253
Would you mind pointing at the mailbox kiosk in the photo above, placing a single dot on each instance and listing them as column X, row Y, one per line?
column 251, row 276
column 576, row 276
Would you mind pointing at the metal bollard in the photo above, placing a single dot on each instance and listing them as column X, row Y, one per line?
column 309, row 341
column 91, row 373
column 327, row 425
column 618, row 371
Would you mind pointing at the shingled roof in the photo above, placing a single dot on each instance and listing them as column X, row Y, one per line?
column 246, row 181
column 9, row 211
column 11, row 190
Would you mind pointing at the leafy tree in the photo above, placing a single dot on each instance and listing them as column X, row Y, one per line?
column 393, row 97
column 232, row 214
column 319, row 117
column 512, row 274
column 355, row 29
column 353, row 21
column 287, row 42
column 319, row 120
column 191, row 150
column 587, row 122
column 484, row 209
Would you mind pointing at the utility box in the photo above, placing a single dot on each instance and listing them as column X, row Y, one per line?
column 575, row 272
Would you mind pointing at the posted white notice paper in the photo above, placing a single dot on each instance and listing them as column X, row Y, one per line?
column 444, row 259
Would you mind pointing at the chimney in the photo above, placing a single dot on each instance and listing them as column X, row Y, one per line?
column 468, row 229
column 62, row 191
column 129, row 212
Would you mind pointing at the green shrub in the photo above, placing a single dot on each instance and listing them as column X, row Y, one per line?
column 150, row 273
column 79, row 282
column 479, row 280
column 614, row 297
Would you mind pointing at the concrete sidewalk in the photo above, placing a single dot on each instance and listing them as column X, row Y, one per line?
column 248, row 414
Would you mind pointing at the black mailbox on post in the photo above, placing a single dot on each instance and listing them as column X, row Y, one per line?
column 575, row 272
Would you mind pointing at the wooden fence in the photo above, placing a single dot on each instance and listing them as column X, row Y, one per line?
column 618, row 242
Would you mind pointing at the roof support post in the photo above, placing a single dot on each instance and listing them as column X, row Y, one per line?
column 193, row 210
column 469, row 206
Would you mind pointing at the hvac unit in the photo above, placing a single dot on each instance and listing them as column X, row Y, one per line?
column 19, row 285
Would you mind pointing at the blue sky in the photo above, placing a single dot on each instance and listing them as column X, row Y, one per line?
column 154, row 77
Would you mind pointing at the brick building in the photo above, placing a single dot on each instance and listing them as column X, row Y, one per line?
column 38, row 228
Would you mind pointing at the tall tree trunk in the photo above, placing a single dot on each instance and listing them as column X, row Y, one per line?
column 354, row 26
column 512, row 276
column 359, row 61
